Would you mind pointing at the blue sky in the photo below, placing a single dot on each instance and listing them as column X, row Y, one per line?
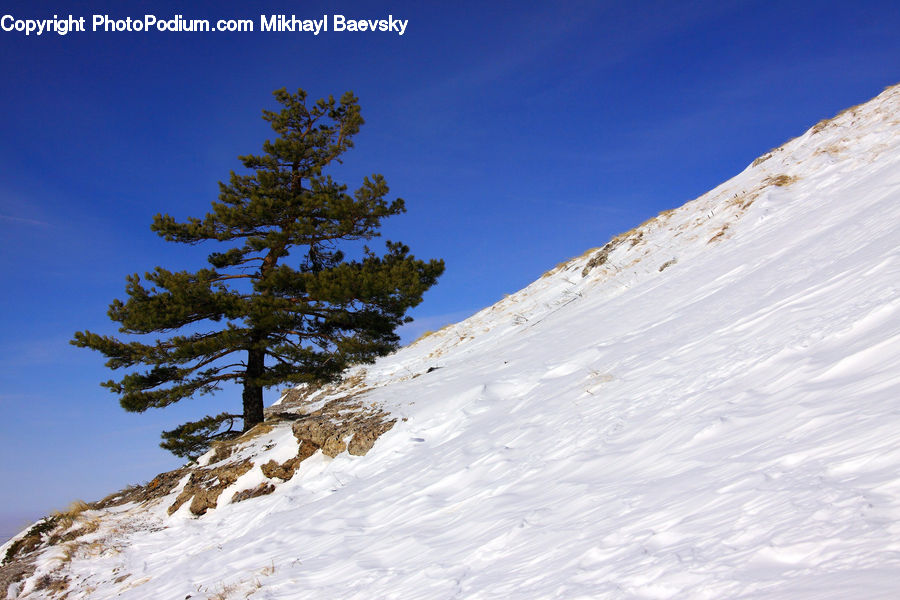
column 519, row 133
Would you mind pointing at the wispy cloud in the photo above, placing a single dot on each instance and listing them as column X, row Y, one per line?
column 24, row 220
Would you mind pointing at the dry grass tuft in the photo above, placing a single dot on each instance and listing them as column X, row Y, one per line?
column 225, row 592
column 430, row 333
column 852, row 110
column 559, row 267
column 761, row 159
column 780, row 180
column 821, row 125
column 67, row 518
column 832, row 150
column 826, row 122
column 667, row 213
column 743, row 200
column 255, row 431
column 68, row 552
column 667, row 264
column 52, row 583
column 425, row 334
column 719, row 234
column 86, row 526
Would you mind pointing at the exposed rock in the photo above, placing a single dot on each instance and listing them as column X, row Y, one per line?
column 330, row 426
column 286, row 469
column 327, row 428
column 260, row 490
column 283, row 471
column 283, row 415
column 365, row 436
column 321, row 431
column 164, row 483
column 205, row 485
column 221, row 451
column 306, row 450
column 333, row 447
column 15, row 571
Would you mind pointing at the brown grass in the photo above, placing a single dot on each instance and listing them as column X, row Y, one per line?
column 744, row 199
column 852, row 110
column 430, row 333
column 51, row 583
column 718, row 234
column 67, row 517
column 425, row 334
column 559, row 267
column 821, row 125
column 666, row 213
column 761, row 159
column 826, row 122
column 780, row 180
column 832, row 150
column 225, row 592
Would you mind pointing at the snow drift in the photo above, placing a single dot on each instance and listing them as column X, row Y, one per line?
column 706, row 407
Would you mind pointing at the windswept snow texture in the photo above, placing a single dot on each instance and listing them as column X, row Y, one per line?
column 725, row 427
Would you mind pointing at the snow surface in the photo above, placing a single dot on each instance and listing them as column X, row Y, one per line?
column 726, row 427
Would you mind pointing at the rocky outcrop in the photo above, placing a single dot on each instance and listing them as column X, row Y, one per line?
column 205, row 485
column 12, row 573
column 285, row 470
column 340, row 425
column 262, row 489
column 328, row 429
column 365, row 435
column 331, row 426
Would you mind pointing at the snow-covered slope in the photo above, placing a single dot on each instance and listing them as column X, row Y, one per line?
column 707, row 407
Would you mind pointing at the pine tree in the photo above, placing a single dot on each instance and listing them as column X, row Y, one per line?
column 282, row 304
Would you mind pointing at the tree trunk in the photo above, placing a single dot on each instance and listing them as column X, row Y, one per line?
column 253, row 392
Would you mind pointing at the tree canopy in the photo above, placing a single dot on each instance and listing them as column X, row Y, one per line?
column 280, row 301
